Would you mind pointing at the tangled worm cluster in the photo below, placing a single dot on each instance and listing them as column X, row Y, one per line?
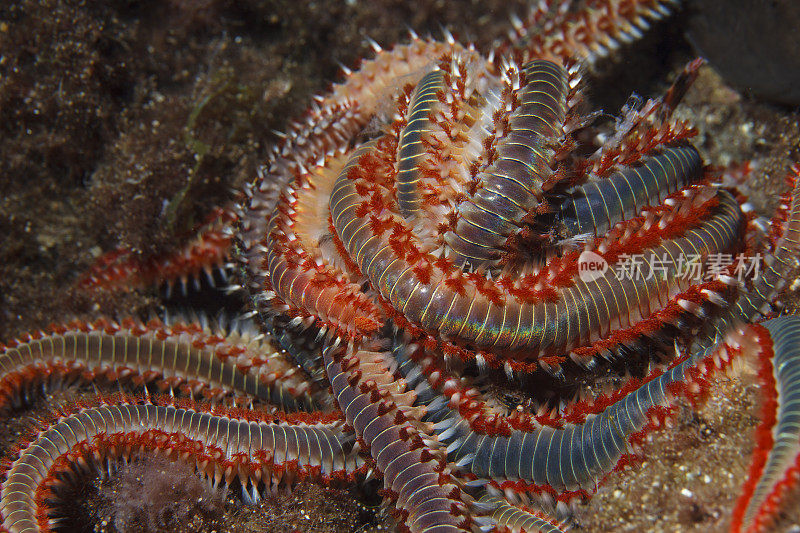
column 420, row 237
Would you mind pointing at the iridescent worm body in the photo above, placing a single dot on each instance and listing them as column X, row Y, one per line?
column 411, row 147
column 220, row 446
column 517, row 519
column 230, row 363
column 579, row 314
column 573, row 458
column 595, row 207
column 511, row 187
column 427, row 500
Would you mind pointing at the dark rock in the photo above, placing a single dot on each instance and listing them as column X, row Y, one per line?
column 752, row 43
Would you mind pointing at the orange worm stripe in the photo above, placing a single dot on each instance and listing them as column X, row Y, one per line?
column 761, row 496
column 578, row 34
column 209, row 249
